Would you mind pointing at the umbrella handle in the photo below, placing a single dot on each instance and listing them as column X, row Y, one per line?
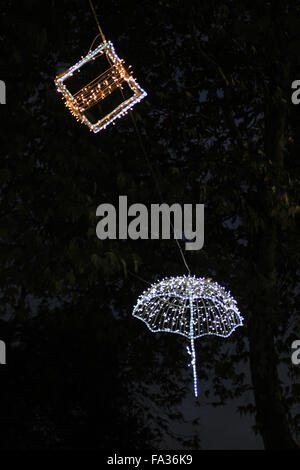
column 193, row 352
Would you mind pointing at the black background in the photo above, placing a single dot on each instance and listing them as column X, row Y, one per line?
column 219, row 128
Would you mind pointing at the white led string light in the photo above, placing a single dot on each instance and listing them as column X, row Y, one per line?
column 189, row 306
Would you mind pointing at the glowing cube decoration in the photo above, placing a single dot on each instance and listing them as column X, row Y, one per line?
column 93, row 103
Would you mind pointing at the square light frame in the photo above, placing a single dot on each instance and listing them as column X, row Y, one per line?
column 123, row 76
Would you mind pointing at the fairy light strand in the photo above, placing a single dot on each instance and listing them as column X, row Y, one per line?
column 193, row 352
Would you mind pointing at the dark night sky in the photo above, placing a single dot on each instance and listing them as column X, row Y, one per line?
column 74, row 292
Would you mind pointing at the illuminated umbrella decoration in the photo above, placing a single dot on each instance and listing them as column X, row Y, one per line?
column 190, row 306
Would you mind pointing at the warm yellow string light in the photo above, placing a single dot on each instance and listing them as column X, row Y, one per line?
column 99, row 88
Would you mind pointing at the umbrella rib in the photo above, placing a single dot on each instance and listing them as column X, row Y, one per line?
column 198, row 316
column 167, row 317
column 158, row 316
column 206, row 314
column 222, row 321
column 153, row 308
column 183, row 316
column 177, row 322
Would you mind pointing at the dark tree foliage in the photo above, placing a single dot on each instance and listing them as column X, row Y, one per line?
column 219, row 128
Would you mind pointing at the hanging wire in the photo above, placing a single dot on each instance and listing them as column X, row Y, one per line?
column 141, row 143
column 96, row 37
column 97, row 21
column 139, row 278
column 156, row 183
